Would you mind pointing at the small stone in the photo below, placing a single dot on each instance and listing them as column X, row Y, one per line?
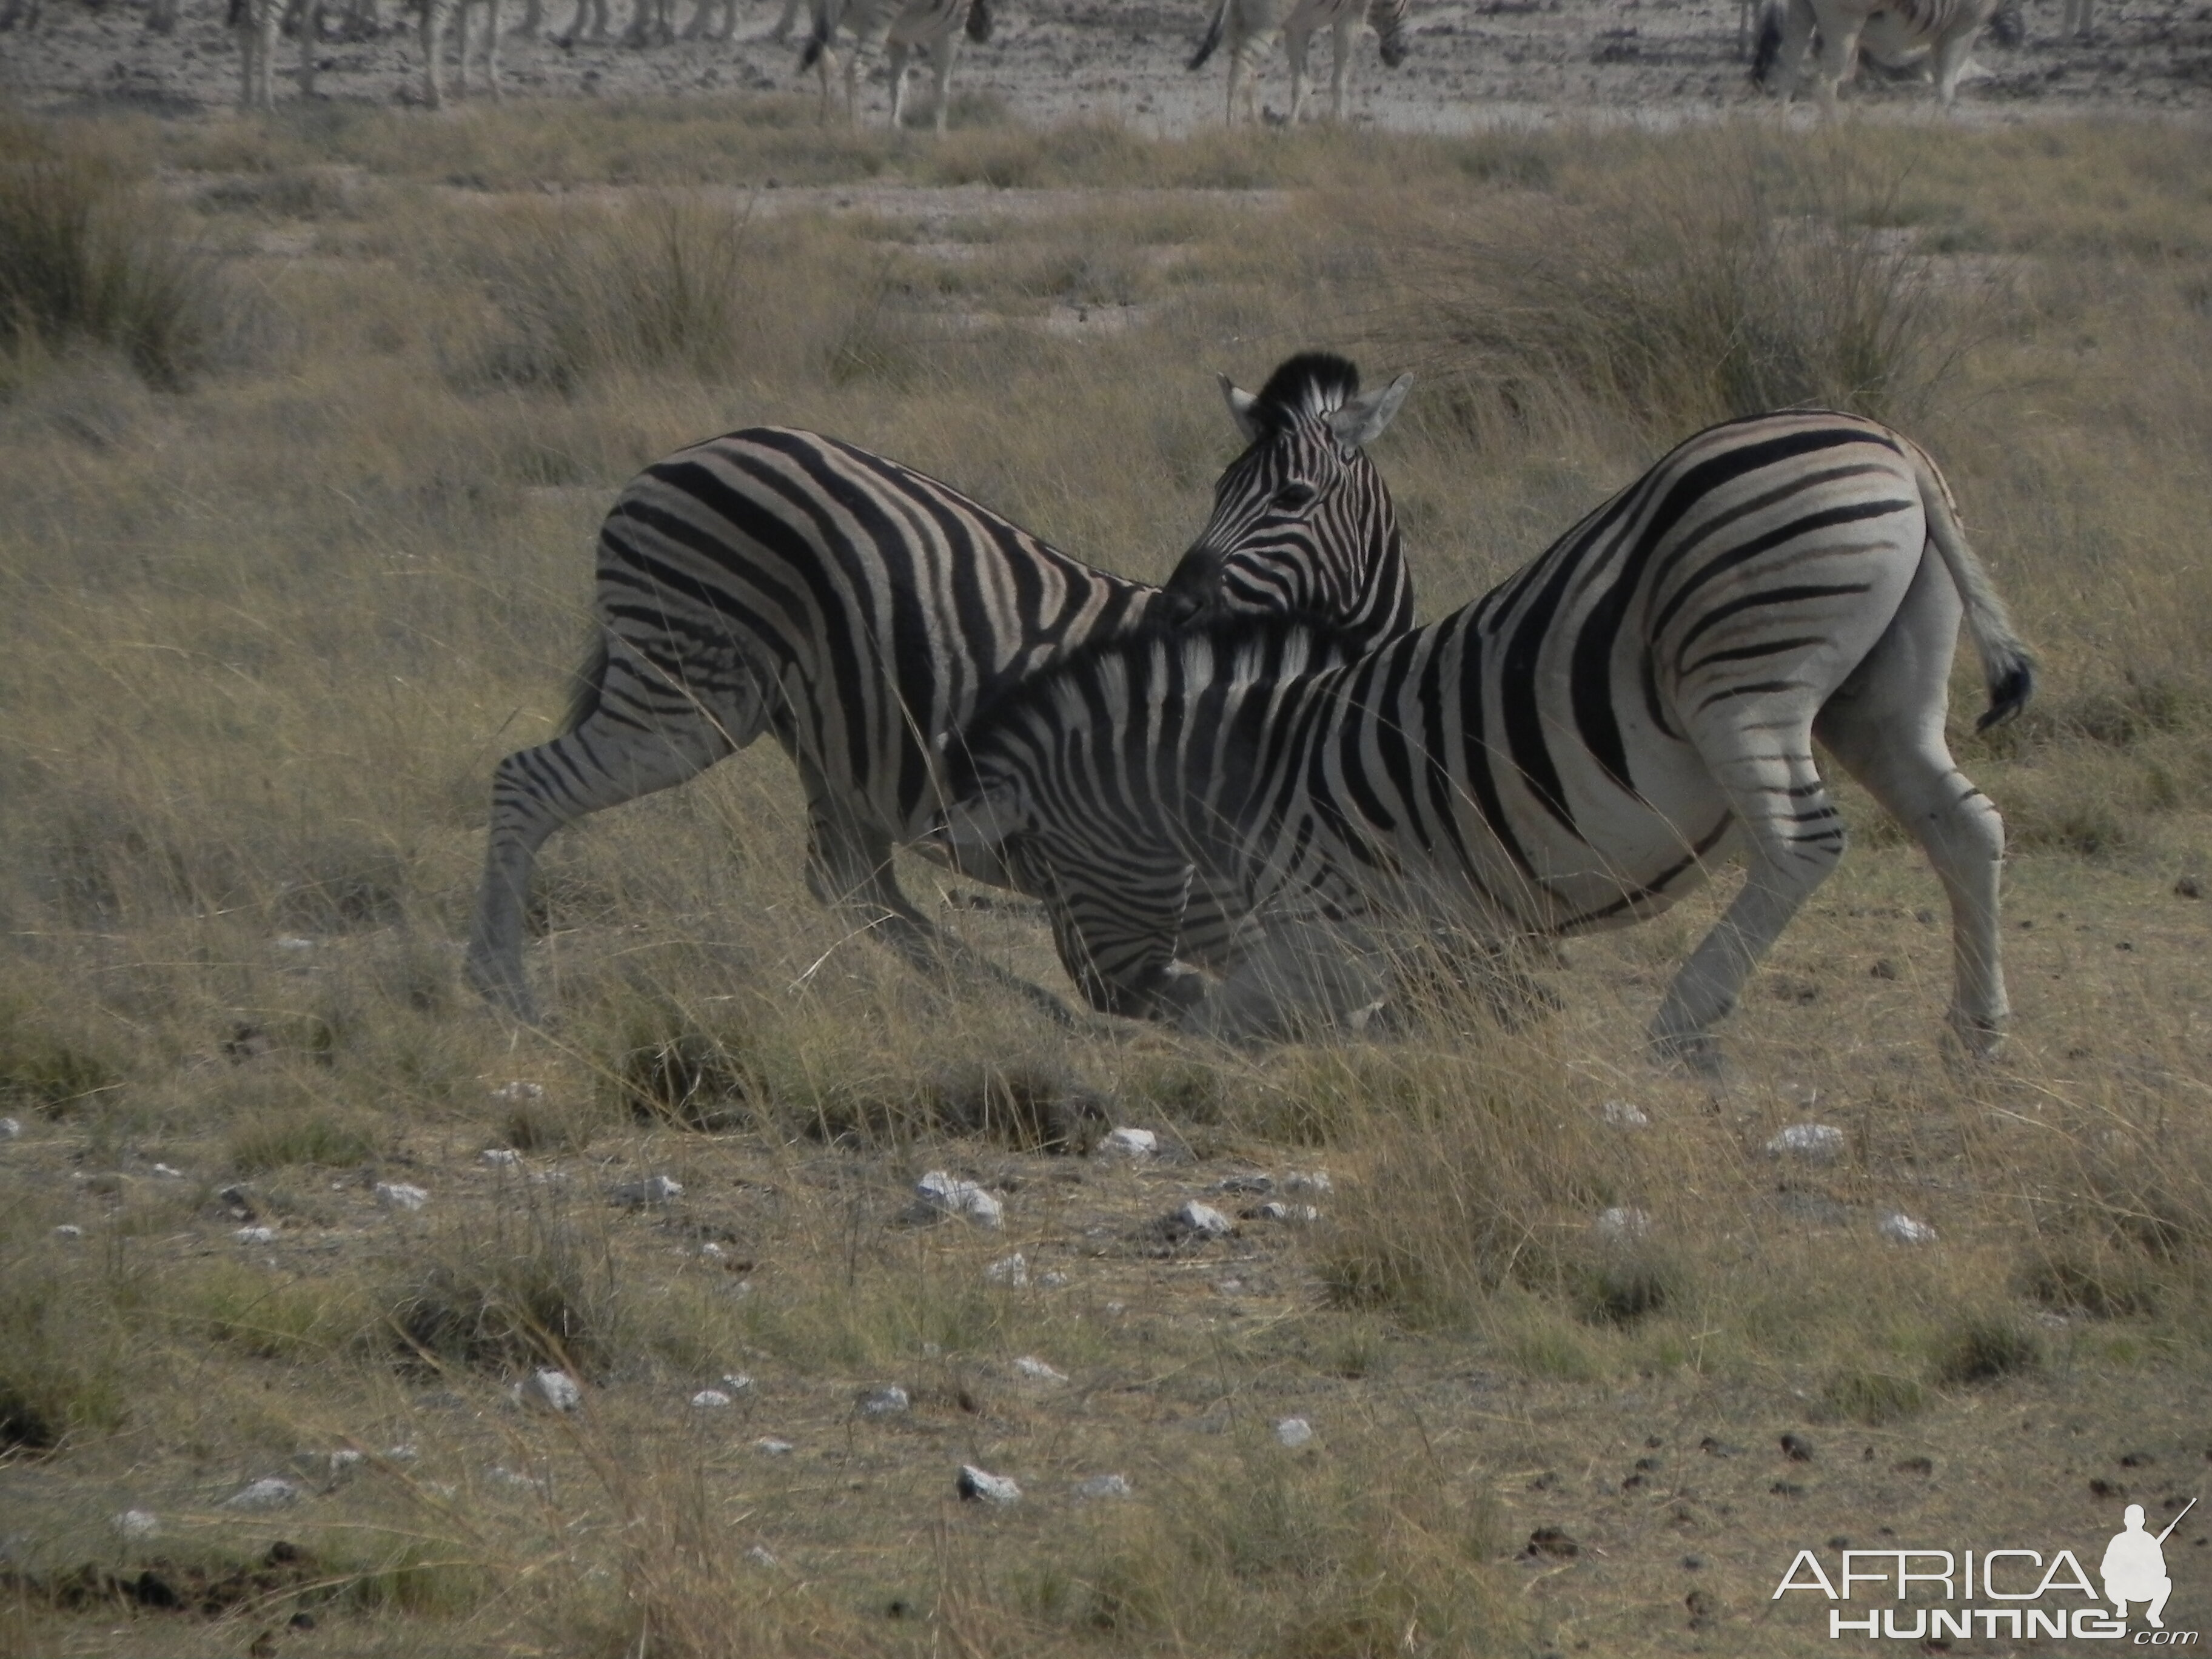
column 1103, row 1486
column 168, row 1174
column 1294, row 1431
column 551, row 1390
column 255, row 1235
column 1030, row 1366
column 1310, row 1180
column 518, row 1093
column 1914, row 1466
column 979, row 1487
column 1905, row 1230
column 1622, row 1225
column 1798, row 1447
column 135, row 1524
column 294, row 942
column 1883, row 969
column 769, row 1448
column 2188, row 887
column 399, row 1195
column 939, row 1191
column 71, row 1229
column 736, row 1382
column 1008, row 1270
column 499, row 1475
column 890, row 1400
column 1624, row 1115
column 1197, row 1220
column 1129, row 1143
column 1816, row 1143
column 10, row 1129
column 646, row 1194
column 500, row 1158
column 709, row 1400
column 404, row 1452
column 1275, row 1210
column 1926, row 918
column 760, row 1556
column 1052, row 1281
column 270, row 1492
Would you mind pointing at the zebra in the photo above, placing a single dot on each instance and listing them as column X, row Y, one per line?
column 1570, row 752
column 777, row 580
column 485, row 36
column 929, row 26
column 1895, row 32
column 1252, row 25
column 699, row 28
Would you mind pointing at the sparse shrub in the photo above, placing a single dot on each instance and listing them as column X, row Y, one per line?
column 1625, row 1282
column 230, row 1304
column 1986, row 1348
column 274, row 1140
column 84, row 256
column 1874, row 1397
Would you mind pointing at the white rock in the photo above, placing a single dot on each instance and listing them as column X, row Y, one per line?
column 1102, row 1485
column 1622, row 1225
column 135, row 1524
column 940, row 1191
column 500, row 1158
column 760, row 1556
column 1203, row 1220
column 1624, row 1115
column 1816, row 1143
column 294, row 942
column 332, row 1465
column 653, row 1189
column 1905, row 1230
column 517, row 1092
column 71, row 1229
column 1311, row 1180
column 977, row 1486
column 1242, row 1186
column 888, row 1401
column 270, row 1492
column 1030, row 1366
column 402, row 1453
column 768, row 1448
column 500, row 1475
column 710, row 1399
column 255, row 1235
column 1129, row 1143
column 9, row 1129
column 736, row 1382
column 1294, row 1431
column 1052, row 1281
column 553, row 1390
column 399, row 1195
column 1275, row 1210
column 1008, row 1270
column 168, row 1174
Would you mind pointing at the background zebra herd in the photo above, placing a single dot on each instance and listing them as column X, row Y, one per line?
column 1230, row 792
column 1795, row 38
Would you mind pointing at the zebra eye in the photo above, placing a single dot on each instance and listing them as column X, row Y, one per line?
column 1295, row 498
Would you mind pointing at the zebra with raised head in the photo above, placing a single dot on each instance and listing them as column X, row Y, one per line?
column 1251, row 27
column 776, row 580
column 932, row 26
column 1570, row 752
column 1891, row 31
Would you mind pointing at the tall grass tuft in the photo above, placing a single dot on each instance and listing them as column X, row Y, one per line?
column 82, row 260
column 1720, row 278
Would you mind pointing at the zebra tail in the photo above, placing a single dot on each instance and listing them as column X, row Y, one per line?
column 1212, row 37
column 818, row 41
column 586, row 686
column 2006, row 669
column 979, row 21
column 1767, row 47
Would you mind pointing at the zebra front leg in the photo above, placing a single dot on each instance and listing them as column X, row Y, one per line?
column 433, row 65
column 941, row 56
column 1292, row 975
column 898, row 61
column 311, row 37
column 1294, row 42
column 1345, row 26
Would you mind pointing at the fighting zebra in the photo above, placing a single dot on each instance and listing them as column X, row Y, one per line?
column 1570, row 752
column 1891, row 31
column 774, row 581
column 908, row 26
column 1252, row 25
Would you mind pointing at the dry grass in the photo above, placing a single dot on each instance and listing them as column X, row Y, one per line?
column 267, row 630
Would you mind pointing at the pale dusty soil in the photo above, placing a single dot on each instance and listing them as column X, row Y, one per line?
column 1490, row 62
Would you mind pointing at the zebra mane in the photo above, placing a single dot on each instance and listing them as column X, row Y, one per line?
column 1312, row 383
column 1234, row 640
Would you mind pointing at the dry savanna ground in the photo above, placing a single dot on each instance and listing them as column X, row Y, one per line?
column 306, row 426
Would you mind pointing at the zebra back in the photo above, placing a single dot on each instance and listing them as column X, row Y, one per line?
column 1303, row 526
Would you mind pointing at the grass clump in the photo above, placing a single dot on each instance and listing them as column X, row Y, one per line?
column 1987, row 1347
column 1872, row 1397
column 314, row 1135
column 535, row 1293
column 82, row 259
column 61, row 1372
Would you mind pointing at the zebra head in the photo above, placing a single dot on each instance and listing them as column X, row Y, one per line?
column 1303, row 526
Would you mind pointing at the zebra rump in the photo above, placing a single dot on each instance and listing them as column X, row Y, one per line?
column 1569, row 753
column 1212, row 38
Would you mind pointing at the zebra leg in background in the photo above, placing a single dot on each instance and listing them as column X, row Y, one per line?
column 941, row 55
column 1346, row 22
column 256, row 21
column 1838, row 54
column 433, row 65
column 1787, row 68
column 1294, row 42
column 897, row 61
column 1951, row 63
column 605, row 759
column 785, row 22
column 1794, row 837
column 1886, row 727
column 1246, row 55
column 311, row 36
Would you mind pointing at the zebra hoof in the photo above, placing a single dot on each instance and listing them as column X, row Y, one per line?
column 1972, row 1041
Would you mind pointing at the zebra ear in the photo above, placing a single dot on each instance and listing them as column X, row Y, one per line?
column 1241, row 405
column 1361, row 420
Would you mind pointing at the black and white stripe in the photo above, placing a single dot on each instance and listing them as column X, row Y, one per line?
column 777, row 580
column 1251, row 27
column 930, row 26
column 1894, row 33
column 1570, row 752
